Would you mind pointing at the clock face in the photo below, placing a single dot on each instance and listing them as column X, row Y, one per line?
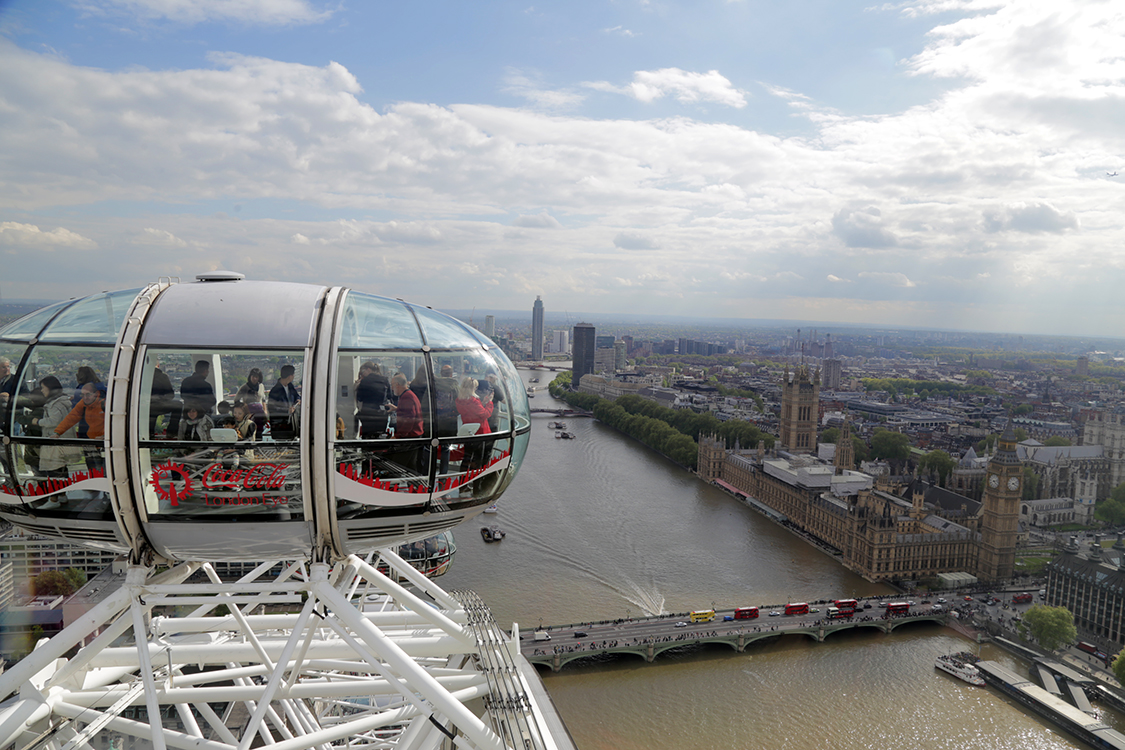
column 1014, row 483
column 994, row 480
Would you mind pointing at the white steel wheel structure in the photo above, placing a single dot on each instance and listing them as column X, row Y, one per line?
column 315, row 425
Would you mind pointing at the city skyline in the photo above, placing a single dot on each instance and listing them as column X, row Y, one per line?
column 921, row 163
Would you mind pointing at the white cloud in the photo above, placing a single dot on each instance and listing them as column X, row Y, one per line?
column 650, row 85
column 862, row 228
column 633, row 241
column 890, row 278
column 1032, row 218
column 533, row 89
column 410, row 232
column 15, row 234
column 542, row 220
column 160, row 237
column 619, row 30
column 993, row 175
column 265, row 12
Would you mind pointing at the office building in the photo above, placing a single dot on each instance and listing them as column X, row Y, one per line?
column 583, row 346
column 1090, row 582
column 29, row 555
column 605, row 361
column 490, row 326
column 537, row 329
column 832, row 375
column 561, row 342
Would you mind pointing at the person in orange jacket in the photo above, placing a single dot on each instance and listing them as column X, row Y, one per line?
column 92, row 407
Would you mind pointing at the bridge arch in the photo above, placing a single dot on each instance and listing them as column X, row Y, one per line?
column 898, row 622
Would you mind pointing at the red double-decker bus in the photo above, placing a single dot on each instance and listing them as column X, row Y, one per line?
column 898, row 607
column 846, row 605
column 745, row 613
column 1021, row 598
column 797, row 608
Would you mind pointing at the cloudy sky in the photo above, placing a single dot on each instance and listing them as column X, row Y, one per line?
column 939, row 163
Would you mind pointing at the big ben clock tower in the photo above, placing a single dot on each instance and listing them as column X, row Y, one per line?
column 1003, row 487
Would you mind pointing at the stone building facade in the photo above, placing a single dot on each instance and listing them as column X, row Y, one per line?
column 967, row 477
column 800, row 407
column 1052, row 511
column 999, row 524
column 1106, row 427
column 881, row 531
column 1081, row 472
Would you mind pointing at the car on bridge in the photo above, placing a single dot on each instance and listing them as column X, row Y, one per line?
column 681, row 624
column 581, row 634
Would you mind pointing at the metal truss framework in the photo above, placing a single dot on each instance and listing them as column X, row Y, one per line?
column 317, row 657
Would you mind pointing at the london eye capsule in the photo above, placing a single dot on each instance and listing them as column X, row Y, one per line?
column 230, row 419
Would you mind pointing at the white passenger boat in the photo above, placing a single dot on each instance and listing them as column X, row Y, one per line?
column 960, row 667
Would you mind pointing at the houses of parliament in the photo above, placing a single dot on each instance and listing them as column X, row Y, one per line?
column 879, row 529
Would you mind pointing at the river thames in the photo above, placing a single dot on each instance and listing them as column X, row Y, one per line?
column 601, row 527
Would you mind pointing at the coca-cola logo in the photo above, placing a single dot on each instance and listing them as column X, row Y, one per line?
column 256, row 478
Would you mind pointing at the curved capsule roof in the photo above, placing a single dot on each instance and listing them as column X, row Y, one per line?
column 229, row 419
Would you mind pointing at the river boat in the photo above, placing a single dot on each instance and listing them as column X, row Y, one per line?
column 492, row 533
column 492, row 509
column 960, row 666
column 534, row 380
column 556, row 425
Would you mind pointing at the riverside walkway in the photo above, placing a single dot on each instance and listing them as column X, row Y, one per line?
column 648, row 637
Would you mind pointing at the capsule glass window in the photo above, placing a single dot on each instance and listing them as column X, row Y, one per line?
column 221, row 434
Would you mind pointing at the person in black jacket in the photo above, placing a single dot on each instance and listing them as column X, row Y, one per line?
column 372, row 392
column 196, row 392
column 282, row 403
column 162, row 401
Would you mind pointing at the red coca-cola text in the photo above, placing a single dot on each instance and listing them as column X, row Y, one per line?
column 260, row 477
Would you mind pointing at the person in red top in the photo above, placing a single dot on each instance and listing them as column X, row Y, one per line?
column 474, row 410
column 408, row 413
column 92, row 408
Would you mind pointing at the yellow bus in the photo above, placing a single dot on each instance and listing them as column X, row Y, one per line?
column 703, row 615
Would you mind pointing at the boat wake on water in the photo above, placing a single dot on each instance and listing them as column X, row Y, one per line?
column 651, row 603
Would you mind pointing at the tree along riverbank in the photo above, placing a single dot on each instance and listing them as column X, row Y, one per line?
column 672, row 432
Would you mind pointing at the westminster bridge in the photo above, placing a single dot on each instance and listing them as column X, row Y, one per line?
column 649, row 637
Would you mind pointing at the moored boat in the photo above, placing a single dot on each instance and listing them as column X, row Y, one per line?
column 492, row 533
column 492, row 509
column 960, row 666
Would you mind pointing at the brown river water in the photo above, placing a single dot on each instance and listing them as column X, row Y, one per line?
column 601, row 527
